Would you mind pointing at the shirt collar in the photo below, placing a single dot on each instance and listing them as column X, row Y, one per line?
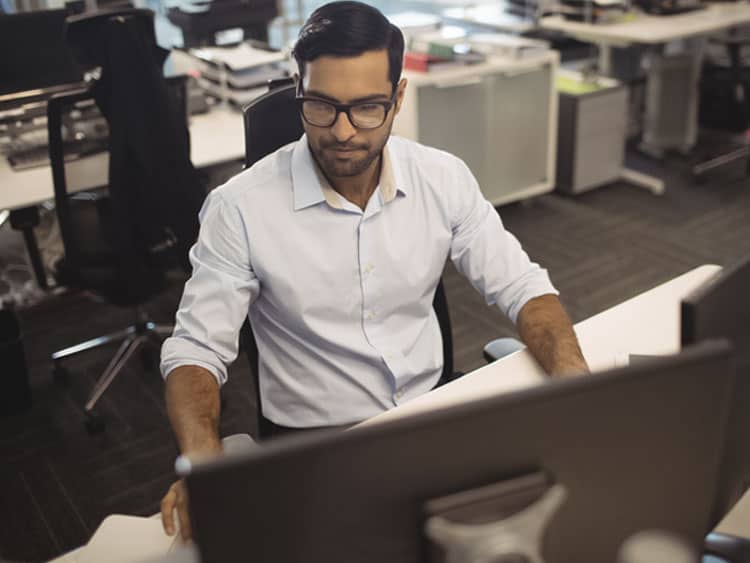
column 311, row 187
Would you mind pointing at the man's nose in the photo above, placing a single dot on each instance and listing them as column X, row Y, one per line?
column 342, row 128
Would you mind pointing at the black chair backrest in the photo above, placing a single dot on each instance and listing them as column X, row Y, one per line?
column 57, row 106
column 272, row 121
column 86, row 227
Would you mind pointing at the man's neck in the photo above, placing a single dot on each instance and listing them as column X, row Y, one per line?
column 358, row 189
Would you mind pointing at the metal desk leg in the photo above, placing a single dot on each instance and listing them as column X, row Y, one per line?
column 641, row 180
column 25, row 220
column 652, row 183
column 605, row 59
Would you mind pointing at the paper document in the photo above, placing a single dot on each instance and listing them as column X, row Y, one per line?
column 241, row 57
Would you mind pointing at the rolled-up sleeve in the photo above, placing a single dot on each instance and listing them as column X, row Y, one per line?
column 488, row 255
column 216, row 298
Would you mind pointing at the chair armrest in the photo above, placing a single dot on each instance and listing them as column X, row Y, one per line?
column 501, row 347
column 732, row 548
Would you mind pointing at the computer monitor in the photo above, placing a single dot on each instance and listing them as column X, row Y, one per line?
column 35, row 55
column 720, row 308
column 635, row 448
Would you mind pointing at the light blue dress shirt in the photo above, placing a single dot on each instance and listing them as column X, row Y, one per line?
column 340, row 299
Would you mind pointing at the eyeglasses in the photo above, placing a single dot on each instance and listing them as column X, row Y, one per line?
column 362, row 115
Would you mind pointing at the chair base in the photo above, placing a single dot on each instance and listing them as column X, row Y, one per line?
column 738, row 153
column 135, row 337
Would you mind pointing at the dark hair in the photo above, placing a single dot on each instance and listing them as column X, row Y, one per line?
column 347, row 29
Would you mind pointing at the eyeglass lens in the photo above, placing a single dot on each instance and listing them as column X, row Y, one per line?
column 323, row 114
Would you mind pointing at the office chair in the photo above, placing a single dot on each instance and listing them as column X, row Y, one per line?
column 120, row 245
column 725, row 102
column 272, row 121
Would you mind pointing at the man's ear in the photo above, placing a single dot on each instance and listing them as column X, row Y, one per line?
column 400, row 92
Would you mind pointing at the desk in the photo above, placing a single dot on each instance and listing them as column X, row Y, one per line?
column 493, row 16
column 502, row 121
column 655, row 32
column 215, row 137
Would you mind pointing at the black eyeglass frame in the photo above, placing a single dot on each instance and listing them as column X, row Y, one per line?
column 345, row 108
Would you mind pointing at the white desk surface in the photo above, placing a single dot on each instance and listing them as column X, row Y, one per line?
column 492, row 15
column 646, row 324
column 651, row 30
column 215, row 137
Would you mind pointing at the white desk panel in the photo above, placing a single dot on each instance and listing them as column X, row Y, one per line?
column 215, row 137
column 652, row 30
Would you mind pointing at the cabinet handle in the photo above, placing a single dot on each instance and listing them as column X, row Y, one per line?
column 457, row 83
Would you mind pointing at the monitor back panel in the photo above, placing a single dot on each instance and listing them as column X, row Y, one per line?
column 34, row 52
column 721, row 309
column 636, row 448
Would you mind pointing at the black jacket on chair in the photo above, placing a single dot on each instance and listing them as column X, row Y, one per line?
column 154, row 191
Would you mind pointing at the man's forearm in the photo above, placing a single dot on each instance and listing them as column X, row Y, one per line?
column 192, row 396
column 545, row 328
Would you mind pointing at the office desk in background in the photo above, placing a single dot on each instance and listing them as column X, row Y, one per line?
column 494, row 16
column 672, row 81
column 215, row 137
column 647, row 29
column 502, row 121
column 646, row 324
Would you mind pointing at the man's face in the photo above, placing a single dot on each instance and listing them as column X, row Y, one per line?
column 342, row 150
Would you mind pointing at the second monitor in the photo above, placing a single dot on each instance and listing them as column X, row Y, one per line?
column 35, row 54
column 720, row 308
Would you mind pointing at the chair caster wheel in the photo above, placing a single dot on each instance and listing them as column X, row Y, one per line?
column 94, row 423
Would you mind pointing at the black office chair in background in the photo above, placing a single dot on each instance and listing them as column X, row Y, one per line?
column 725, row 100
column 272, row 121
column 120, row 243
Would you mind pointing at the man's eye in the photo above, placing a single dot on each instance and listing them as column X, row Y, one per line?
column 369, row 108
column 319, row 106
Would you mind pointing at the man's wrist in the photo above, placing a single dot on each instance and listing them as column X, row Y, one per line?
column 186, row 461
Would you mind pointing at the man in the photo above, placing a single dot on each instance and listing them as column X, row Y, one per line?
column 335, row 245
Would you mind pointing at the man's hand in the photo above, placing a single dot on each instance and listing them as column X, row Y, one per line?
column 193, row 405
column 176, row 499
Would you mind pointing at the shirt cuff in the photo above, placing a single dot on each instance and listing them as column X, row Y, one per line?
column 177, row 352
column 528, row 290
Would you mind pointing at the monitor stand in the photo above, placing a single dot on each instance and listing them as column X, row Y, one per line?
column 503, row 522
